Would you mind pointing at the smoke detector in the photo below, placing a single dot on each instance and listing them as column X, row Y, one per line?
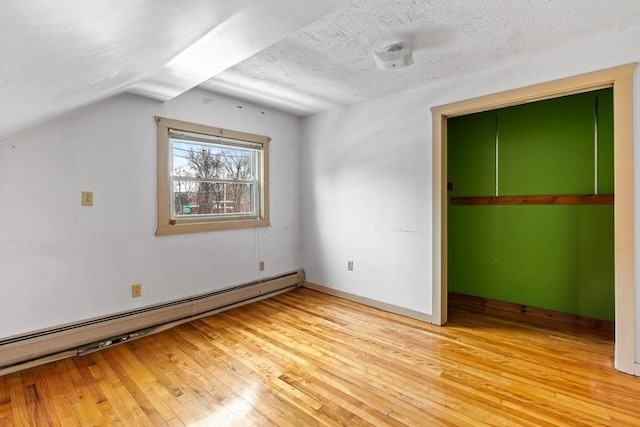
column 397, row 55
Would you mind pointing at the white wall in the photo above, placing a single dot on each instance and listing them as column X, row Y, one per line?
column 366, row 176
column 367, row 198
column 61, row 262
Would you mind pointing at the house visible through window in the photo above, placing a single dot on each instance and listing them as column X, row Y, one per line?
column 210, row 178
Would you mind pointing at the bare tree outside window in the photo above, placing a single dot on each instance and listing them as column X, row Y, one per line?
column 205, row 164
column 212, row 179
column 238, row 167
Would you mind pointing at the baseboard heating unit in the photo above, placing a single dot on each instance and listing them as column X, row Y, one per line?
column 43, row 346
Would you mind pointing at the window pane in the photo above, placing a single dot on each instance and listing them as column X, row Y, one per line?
column 207, row 198
column 212, row 161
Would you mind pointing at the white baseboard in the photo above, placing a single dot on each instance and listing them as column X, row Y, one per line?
column 370, row 302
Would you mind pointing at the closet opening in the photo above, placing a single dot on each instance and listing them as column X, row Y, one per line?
column 530, row 209
column 619, row 81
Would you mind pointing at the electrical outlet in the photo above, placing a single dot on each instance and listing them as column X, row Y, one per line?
column 350, row 265
column 261, row 266
column 136, row 290
column 87, row 198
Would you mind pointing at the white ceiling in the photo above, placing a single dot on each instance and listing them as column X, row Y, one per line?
column 301, row 56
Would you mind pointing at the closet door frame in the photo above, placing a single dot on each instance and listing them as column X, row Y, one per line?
column 621, row 80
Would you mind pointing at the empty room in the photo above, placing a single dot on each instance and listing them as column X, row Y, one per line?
column 319, row 212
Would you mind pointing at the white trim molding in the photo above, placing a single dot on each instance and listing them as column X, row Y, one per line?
column 369, row 302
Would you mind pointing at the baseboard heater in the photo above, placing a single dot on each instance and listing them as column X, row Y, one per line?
column 43, row 346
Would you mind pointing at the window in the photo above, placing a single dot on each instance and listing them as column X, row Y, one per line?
column 210, row 178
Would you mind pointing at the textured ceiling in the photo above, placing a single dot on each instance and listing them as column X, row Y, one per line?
column 302, row 56
column 330, row 62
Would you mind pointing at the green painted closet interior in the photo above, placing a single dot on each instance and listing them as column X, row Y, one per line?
column 556, row 257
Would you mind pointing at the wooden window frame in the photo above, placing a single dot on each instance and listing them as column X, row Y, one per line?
column 166, row 225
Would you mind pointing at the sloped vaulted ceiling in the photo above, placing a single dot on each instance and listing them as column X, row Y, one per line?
column 57, row 56
column 302, row 56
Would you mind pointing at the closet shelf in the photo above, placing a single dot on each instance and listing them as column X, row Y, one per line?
column 565, row 199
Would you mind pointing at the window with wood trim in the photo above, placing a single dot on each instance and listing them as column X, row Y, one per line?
column 210, row 178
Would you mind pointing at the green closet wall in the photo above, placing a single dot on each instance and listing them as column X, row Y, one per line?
column 557, row 257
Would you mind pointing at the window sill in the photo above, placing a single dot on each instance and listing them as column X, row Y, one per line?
column 197, row 227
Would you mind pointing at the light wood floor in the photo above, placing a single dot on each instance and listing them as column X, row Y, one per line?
column 304, row 358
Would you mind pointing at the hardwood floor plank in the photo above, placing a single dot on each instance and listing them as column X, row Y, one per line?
column 6, row 414
column 59, row 392
column 309, row 353
column 308, row 359
column 137, row 380
column 124, row 407
column 91, row 406
column 369, row 378
column 252, row 358
column 176, row 387
column 357, row 380
column 19, row 408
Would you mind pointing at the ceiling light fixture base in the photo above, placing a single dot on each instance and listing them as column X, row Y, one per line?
column 397, row 55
